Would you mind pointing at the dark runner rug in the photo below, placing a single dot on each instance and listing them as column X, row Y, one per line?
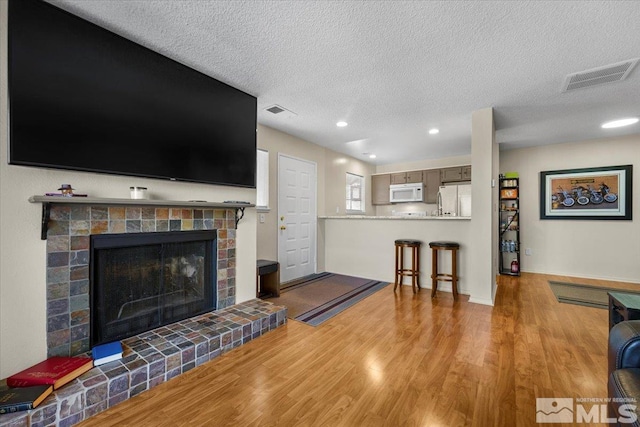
column 590, row 296
column 314, row 299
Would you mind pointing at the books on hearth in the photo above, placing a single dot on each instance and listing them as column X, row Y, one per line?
column 105, row 353
column 23, row 398
column 55, row 371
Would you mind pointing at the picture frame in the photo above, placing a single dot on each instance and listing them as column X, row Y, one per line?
column 598, row 193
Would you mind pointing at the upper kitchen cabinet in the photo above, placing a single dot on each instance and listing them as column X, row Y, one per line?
column 406, row 177
column 432, row 182
column 456, row 174
column 380, row 189
column 466, row 173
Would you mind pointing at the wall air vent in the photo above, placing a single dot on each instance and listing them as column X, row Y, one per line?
column 601, row 75
column 279, row 111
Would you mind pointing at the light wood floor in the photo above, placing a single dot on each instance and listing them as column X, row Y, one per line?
column 396, row 360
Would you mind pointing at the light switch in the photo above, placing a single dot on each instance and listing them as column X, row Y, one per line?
column 261, row 218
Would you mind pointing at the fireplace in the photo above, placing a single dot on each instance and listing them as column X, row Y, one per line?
column 198, row 238
column 70, row 286
column 143, row 281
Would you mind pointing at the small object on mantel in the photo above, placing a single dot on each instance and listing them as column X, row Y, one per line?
column 138, row 193
column 66, row 190
column 239, row 202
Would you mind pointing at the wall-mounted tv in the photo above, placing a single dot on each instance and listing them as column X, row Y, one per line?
column 84, row 98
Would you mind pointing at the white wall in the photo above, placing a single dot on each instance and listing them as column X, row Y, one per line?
column 425, row 164
column 23, row 254
column 484, row 212
column 594, row 249
column 331, row 167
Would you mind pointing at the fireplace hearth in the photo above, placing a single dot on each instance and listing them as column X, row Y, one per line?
column 142, row 281
column 160, row 353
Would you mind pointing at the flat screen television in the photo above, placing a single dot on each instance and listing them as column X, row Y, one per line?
column 84, row 98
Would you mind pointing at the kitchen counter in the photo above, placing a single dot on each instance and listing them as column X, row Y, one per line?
column 396, row 217
column 363, row 246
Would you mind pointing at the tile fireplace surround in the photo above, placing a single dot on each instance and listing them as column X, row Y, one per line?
column 149, row 358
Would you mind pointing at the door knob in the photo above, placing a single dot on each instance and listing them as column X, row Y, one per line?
column 282, row 227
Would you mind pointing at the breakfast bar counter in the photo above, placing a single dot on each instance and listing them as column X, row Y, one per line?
column 363, row 246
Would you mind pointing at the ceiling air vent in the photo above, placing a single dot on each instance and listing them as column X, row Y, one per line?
column 280, row 111
column 601, row 75
column 275, row 109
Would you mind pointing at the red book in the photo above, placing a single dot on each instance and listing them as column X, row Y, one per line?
column 55, row 371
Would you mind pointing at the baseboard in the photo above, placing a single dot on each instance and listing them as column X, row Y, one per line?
column 482, row 301
column 578, row 276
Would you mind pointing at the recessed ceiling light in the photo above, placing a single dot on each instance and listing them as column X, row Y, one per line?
column 341, row 124
column 372, row 156
column 620, row 123
column 433, row 131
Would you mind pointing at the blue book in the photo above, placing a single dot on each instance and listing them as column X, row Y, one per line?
column 105, row 353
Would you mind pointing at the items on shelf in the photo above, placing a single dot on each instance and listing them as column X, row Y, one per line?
column 509, row 217
column 515, row 266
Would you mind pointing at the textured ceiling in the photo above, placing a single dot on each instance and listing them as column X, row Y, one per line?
column 394, row 69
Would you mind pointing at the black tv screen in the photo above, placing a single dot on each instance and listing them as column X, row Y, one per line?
column 84, row 98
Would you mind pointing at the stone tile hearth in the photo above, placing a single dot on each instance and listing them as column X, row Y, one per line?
column 151, row 358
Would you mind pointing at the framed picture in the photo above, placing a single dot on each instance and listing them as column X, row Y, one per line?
column 590, row 193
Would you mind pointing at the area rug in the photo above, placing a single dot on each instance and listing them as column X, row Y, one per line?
column 590, row 296
column 316, row 298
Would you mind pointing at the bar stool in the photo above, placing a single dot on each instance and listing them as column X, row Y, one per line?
column 414, row 271
column 435, row 275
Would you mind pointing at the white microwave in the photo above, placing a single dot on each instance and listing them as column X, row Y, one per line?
column 405, row 192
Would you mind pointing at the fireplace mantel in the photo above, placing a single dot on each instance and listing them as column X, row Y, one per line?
column 98, row 201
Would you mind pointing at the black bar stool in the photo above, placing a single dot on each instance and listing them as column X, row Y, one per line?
column 414, row 271
column 435, row 276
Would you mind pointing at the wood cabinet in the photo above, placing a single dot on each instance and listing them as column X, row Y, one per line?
column 432, row 182
column 406, row 177
column 414, row 176
column 466, row 173
column 380, row 189
column 456, row 174
column 431, row 178
column 399, row 178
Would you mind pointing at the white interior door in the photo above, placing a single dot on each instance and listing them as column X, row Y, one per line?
column 296, row 217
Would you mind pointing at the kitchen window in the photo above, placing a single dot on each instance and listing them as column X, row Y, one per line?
column 355, row 193
column 262, row 180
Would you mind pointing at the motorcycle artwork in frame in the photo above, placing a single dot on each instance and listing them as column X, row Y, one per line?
column 588, row 193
